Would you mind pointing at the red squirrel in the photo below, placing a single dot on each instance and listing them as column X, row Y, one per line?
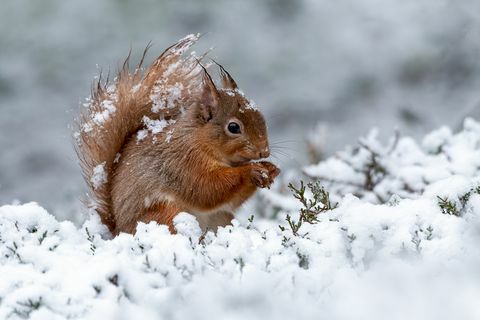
column 165, row 140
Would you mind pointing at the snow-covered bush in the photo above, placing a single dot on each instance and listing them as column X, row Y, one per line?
column 402, row 168
column 396, row 238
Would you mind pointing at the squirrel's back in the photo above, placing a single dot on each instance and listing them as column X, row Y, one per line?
column 116, row 112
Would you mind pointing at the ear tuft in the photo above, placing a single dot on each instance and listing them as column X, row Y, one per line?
column 209, row 98
column 227, row 80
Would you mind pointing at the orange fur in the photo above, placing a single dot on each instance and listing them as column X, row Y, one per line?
column 195, row 164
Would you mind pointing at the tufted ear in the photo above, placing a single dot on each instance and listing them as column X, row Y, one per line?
column 209, row 98
column 227, row 80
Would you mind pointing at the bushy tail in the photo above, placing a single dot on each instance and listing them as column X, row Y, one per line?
column 116, row 111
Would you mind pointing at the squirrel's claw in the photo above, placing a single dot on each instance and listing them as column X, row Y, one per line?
column 264, row 173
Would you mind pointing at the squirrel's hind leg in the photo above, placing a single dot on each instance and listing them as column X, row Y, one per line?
column 162, row 213
column 211, row 221
column 219, row 219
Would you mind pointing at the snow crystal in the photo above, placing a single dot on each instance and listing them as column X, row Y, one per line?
column 99, row 176
column 250, row 104
column 166, row 97
column 155, row 127
column 191, row 38
column 87, row 127
column 87, row 103
column 112, row 89
column 172, row 67
column 136, row 87
column 239, row 92
column 142, row 134
column 169, row 136
column 101, row 117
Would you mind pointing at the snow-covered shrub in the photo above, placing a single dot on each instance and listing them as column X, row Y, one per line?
column 412, row 255
column 402, row 168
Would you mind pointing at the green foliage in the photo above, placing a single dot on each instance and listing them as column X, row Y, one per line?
column 42, row 237
column 420, row 234
column 90, row 239
column 311, row 206
column 14, row 251
column 456, row 208
column 416, row 240
column 240, row 262
column 303, row 260
column 27, row 307
column 429, row 232
column 250, row 221
column 448, row 206
column 373, row 170
column 368, row 162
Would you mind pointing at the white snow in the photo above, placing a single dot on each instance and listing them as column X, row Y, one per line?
column 154, row 126
column 107, row 109
column 99, row 176
column 165, row 96
column 189, row 39
column 142, row 134
column 402, row 259
column 169, row 136
column 402, row 166
column 250, row 105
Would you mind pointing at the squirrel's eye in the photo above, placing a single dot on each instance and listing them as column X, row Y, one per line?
column 234, row 128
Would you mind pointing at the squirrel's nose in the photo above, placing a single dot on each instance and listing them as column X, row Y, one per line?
column 264, row 153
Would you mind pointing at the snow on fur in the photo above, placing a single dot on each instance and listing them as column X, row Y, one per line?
column 99, row 176
column 407, row 258
column 154, row 126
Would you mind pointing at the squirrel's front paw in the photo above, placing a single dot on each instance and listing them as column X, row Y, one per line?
column 263, row 173
column 273, row 170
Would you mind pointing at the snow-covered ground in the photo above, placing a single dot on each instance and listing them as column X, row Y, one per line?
column 404, row 247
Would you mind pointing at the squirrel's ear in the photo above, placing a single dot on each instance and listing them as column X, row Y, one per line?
column 227, row 80
column 210, row 97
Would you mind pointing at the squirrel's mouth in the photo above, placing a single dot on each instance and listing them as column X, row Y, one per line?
column 242, row 160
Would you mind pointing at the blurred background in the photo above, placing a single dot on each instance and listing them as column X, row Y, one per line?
column 331, row 69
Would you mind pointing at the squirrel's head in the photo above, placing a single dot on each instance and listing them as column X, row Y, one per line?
column 235, row 127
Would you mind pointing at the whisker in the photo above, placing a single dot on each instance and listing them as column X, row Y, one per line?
column 283, row 142
column 281, row 153
column 281, row 161
column 287, row 161
column 275, row 157
column 289, row 141
column 284, row 155
column 274, row 147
